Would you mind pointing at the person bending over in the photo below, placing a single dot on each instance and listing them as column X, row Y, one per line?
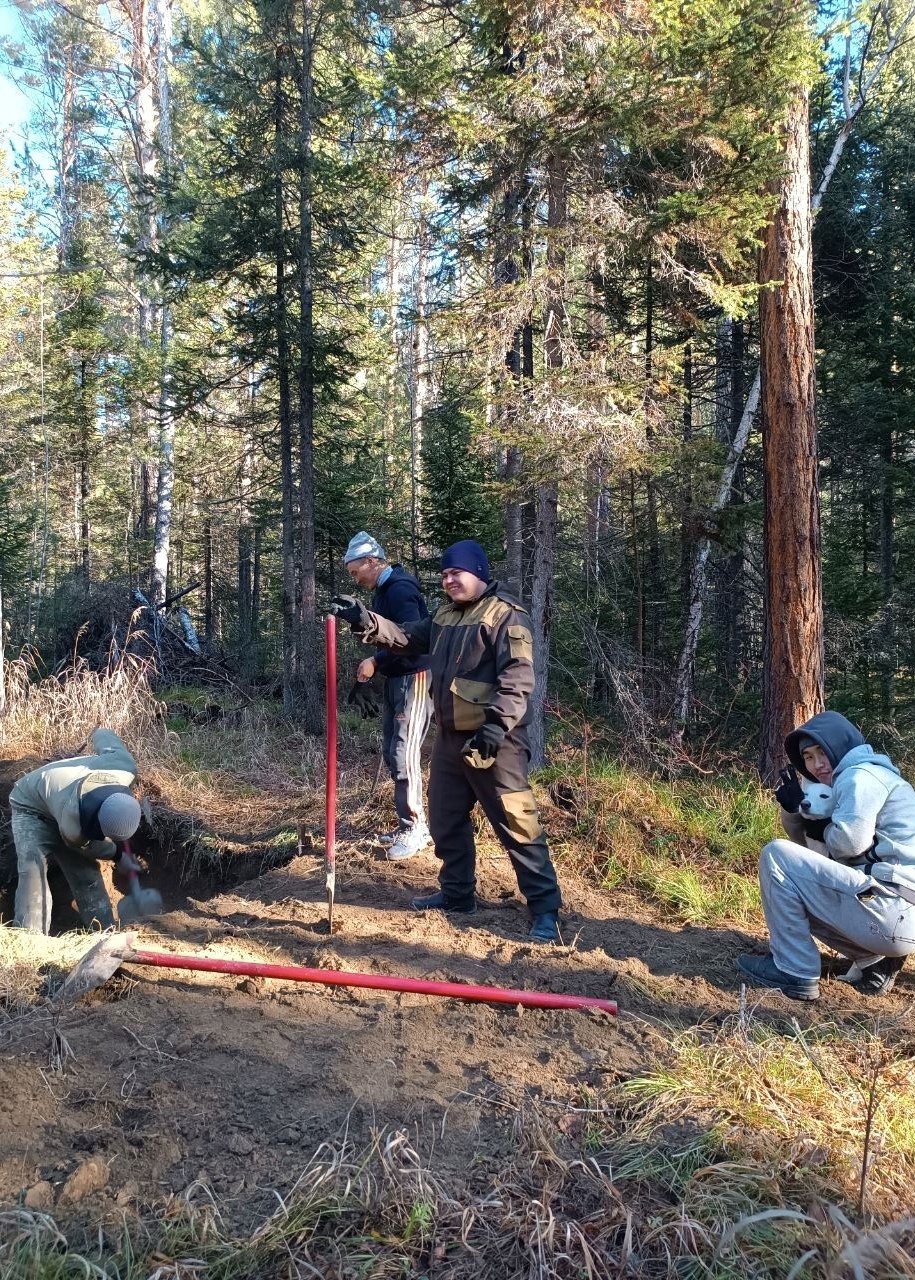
column 73, row 812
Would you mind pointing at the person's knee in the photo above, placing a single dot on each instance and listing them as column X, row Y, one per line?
column 778, row 855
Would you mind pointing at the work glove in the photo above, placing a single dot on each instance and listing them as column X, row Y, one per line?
column 482, row 748
column 362, row 698
column 789, row 793
column 814, row 827
column 352, row 611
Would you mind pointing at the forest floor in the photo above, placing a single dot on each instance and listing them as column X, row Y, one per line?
column 170, row 1121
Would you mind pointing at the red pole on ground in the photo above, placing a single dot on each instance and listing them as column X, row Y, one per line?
column 330, row 783
column 375, row 981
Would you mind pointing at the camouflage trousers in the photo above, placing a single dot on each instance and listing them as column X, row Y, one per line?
column 38, row 843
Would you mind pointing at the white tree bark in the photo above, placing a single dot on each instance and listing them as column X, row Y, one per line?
column 160, row 45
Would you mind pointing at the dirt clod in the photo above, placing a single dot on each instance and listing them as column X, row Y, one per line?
column 87, row 1178
column 40, row 1195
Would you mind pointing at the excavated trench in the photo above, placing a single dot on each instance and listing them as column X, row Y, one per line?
column 187, row 868
column 181, row 861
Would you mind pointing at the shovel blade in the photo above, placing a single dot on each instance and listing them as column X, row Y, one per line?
column 140, row 904
column 95, row 967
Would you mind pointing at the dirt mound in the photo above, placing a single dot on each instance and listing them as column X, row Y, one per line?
column 169, row 1077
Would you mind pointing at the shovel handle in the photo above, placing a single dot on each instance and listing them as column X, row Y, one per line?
column 330, row 783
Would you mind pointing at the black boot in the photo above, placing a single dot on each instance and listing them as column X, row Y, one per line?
column 879, row 979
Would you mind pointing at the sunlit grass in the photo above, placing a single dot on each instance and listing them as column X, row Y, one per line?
column 792, row 1104
column 690, row 844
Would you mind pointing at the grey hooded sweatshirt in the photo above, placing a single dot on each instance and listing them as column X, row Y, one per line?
column 874, row 816
column 60, row 791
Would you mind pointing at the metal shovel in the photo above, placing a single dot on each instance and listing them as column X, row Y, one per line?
column 139, row 903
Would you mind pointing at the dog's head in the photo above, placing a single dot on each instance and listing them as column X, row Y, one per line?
column 818, row 801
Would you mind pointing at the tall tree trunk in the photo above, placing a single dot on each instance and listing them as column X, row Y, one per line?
column 144, row 119
column 547, row 496
column 420, row 382
column 166, row 481
column 83, row 486
column 160, row 46
column 208, row 578
column 310, row 662
column 290, row 630
column 729, row 399
column 507, row 273
column 853, row 104
column 256, row 585
column 245, row 549
column 392, row 368
column 2, row 654
column 793, row 619
column 652, row 590
column 686, row 492
column 69, row 144
column 887, row 576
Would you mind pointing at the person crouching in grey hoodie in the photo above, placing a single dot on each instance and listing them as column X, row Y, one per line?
column 860, row 897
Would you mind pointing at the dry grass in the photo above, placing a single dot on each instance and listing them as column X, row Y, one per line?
column 248, row 773
column 53, row 717
column 552, row 1210
column 25, row 959
column 795, row 1106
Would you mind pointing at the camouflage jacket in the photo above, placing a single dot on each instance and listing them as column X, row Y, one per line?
column 480, row 656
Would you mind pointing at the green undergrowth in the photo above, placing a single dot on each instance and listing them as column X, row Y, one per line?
column 689, row 844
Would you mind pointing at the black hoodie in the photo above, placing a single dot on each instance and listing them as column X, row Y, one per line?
column 399, row 599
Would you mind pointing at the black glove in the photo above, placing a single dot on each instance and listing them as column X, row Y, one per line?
column 486, row 741
column 362, row 698
column 814, row 827
column 352, row 611
column 789, row 793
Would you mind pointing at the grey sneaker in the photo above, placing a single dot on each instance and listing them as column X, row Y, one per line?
column 407, row 843
column 765, row 973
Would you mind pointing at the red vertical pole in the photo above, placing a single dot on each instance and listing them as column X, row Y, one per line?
column 330, row 784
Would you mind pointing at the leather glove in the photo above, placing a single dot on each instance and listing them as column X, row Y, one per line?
column 789, row 793
column 352, row 611
column 814, row 827
column 485, row 742
column 362, row 698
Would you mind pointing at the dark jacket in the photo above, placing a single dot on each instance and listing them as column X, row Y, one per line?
column 400, row 600
column 481, row 658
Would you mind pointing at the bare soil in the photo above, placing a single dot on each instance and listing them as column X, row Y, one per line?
column 166, row 1078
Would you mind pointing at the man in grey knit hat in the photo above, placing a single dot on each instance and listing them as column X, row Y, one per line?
column 73, row 813
column 406, row 704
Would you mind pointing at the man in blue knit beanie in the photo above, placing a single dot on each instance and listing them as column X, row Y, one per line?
column 481, row 654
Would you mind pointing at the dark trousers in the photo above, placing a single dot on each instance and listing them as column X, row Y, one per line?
column 38, row 843
column 405, row 717
column 504, row 795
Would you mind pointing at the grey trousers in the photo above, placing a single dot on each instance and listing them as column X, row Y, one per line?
column 37, row 843
column 806, row 895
